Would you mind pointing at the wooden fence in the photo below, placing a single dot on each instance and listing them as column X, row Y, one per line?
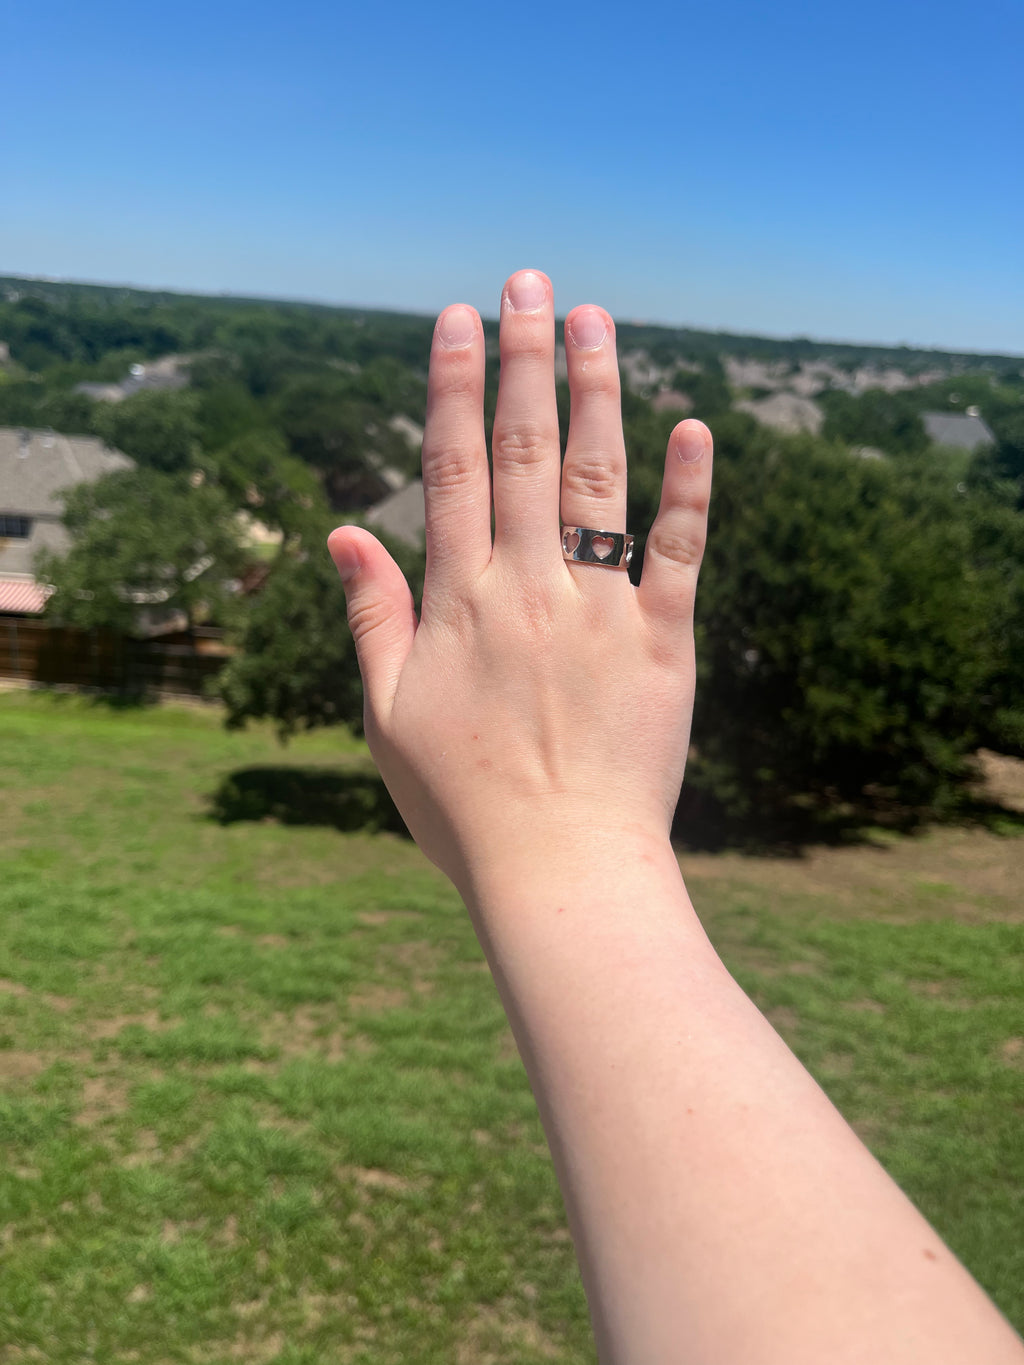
column 34, row 652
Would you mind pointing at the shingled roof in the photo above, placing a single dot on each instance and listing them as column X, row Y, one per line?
column 35, row 468
column 401, row 514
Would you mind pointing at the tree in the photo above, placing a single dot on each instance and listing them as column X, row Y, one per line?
column 158, row 429
column 295, row 662
column 339, row 424
column 888, row 421
column 31, row 403
column 327, row 427
column 997, row 529
column 142, row 538
column 1003, row 462
column 708, row 391
column 844, row 631
column 259, row 475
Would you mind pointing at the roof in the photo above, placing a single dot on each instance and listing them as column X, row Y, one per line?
column 35, row 466
column 402, row 514
column 785, row 412
column 962, row 431
column 21, row 593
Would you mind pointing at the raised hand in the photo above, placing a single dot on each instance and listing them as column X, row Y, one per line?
column 535, row 692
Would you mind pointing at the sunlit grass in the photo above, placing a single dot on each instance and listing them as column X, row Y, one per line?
column 258, row 1100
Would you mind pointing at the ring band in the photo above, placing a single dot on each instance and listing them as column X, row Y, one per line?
column 609, row 549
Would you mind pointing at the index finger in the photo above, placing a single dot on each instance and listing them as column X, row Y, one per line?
column 456, row 481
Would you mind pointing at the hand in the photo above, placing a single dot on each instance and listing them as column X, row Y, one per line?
column 535, row 698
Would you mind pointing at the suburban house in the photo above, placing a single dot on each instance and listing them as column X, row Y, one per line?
column 35, row 468
column 170, row 372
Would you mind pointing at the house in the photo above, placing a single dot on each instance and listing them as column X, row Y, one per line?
column 786, row 412
column 959, row 430
column 35, row 468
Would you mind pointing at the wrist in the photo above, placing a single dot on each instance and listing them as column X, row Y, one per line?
column 554, row 856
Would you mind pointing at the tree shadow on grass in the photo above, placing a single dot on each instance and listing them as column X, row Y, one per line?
column 339, row 798
column 125, row 699
column 700, row 826
column 134, row 699
column 356, row 799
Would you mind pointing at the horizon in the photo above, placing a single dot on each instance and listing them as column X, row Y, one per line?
column 397, row 310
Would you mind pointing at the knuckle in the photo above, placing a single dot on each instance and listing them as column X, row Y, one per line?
column 455, row 375
column 529, row 343
column 698, row 500
column 680, row 543
column 594, row 476
column 365, row 617
column 598, row 381
column 448, row 470
column 522, row 446
column 667, row 648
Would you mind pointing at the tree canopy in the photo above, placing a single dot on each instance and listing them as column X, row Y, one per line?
column 141, row 538
column 296, row 662
column 848, row 629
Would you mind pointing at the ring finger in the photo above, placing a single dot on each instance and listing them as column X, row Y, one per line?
column 594, row 469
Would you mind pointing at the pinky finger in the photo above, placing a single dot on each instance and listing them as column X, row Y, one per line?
column 676, row 542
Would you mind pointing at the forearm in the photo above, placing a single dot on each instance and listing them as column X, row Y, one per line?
column 722, row 1209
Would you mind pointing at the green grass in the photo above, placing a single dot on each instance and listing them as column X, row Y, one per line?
column 258, row 1100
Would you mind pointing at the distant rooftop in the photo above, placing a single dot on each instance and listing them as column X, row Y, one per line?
column 962, row 431
column 166, row 373
column 36, row 465
column 401, row 514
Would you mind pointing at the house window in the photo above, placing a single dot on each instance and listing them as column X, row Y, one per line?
column 14, row 527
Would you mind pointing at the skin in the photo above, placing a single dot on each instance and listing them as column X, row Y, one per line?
column 532, row 727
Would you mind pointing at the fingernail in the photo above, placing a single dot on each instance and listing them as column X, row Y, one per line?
column 456, row 327
column 690, row 444
column 346, row 560
column 527, row 291
column 587, row 329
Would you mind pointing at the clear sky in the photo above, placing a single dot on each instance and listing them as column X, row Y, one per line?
column 801, row 167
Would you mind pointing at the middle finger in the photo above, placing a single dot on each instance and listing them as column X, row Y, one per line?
column 525, row 444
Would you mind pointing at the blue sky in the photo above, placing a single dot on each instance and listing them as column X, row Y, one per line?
column 796, row 168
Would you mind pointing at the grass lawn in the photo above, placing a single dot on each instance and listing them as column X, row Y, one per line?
column 258, row 1101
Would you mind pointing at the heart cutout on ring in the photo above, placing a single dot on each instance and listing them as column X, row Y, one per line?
column 602, row 546
column 570, row 541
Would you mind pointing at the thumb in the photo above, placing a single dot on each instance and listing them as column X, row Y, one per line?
column 380, row 611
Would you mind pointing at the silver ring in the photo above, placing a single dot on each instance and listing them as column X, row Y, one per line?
column 610, row 549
